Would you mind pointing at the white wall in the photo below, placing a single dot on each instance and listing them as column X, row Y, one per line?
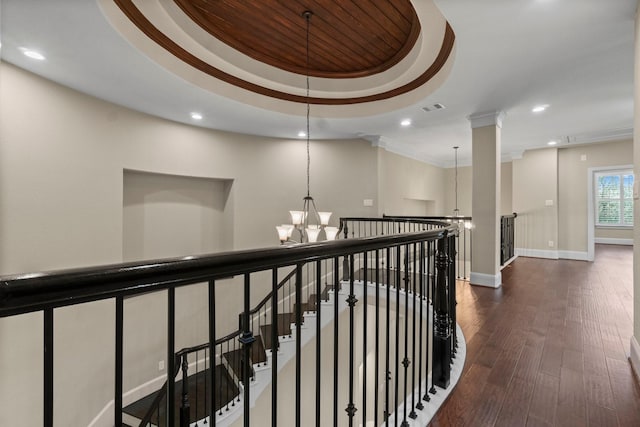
column 635, row 339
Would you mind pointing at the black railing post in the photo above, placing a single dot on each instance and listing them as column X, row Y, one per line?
column 185, row 407
column 246, row 339
column 215, row 390
column 171, row 350
column 442, row 329
column 298, row 315
column 452, row 294
column 275, row 345
column 117, row 398
column 48, row 368
column 351, row 301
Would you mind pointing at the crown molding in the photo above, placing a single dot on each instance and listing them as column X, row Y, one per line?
column 493, row 118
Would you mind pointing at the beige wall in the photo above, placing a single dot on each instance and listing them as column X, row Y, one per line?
column 409, row 187
column 535, row 180
column 464, row 189
column 506, row 188
column 560, row 175
column 573, row 190
column 62, row 162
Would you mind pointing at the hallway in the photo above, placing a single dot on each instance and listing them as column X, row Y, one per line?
column 550, row 347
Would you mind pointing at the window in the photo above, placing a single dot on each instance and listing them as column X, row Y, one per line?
column 614, row 198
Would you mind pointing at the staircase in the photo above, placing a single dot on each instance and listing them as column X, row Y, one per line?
column 229, row 372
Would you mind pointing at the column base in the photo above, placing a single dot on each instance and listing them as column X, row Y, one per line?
column 487, row 280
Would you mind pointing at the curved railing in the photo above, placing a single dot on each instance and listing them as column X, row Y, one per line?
column 417, row 267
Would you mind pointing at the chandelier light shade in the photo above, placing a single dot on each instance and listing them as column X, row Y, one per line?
column 331, row 232
column 309, row 223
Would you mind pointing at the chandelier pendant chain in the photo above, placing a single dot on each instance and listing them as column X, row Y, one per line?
column 307, row 16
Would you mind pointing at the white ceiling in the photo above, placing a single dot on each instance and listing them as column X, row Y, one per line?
column 511, row 55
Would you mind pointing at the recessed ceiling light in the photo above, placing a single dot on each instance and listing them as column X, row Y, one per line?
column 32, row 54
column 552, row 142
column 405, row 122
column 302, row 134
column 539, row 108
column 196, row 116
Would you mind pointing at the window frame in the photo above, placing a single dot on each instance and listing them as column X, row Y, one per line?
column 621, row 173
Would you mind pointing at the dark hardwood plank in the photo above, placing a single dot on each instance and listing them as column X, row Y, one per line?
column 544, row 399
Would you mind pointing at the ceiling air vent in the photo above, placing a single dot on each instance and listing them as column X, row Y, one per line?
column 433, row 107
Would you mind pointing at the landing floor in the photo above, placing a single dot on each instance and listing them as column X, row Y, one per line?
column 550, row 347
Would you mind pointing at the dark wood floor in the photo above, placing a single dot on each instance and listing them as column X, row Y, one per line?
column 550, row 347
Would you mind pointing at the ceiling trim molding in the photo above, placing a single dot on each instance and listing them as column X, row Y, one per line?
column 134, row 14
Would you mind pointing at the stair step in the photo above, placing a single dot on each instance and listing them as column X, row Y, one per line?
column 226, row 391
column 284, row 328
column 234, row 359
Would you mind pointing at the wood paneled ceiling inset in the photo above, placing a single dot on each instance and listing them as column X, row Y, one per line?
column 348, row 38
column 138, row 18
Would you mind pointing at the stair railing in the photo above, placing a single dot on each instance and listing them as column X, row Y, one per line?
column 507, row 238
column 416, row 267
column 182, row 364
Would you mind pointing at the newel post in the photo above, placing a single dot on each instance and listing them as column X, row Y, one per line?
column 442, row 322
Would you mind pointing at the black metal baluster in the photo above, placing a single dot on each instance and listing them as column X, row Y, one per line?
column 171, row 351
column 212, row 351
column 185, row 407
column 427, row 287
column 298, row 315
column 397, row 344
column 318, row 339
column 246, row 339
column 351, row 301
column 376, row 403
column 406, row 361
column 413, row 414
column 117, row 398
column 336, row 285
column 197, row 388
column 432, row 285
column 452, row 295
column 421, row 273
column 48, row 367
column 364, row 339
column 387, row 343
column 275, row 345
column 207, row 409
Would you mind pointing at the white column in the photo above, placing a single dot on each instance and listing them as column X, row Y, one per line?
column 634, row 355
column 485, row 199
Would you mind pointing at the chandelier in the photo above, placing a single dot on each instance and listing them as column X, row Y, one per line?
column 308, row 223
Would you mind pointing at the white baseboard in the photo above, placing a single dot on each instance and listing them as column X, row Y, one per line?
column 536, row 253
column 612, row 241
column 551, row 254
column 634, row 356
column 488, row 280
column 575, row 255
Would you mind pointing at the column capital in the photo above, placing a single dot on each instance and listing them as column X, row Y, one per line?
column 479, row 120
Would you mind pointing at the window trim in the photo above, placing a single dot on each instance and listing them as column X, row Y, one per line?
column 619, row 171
